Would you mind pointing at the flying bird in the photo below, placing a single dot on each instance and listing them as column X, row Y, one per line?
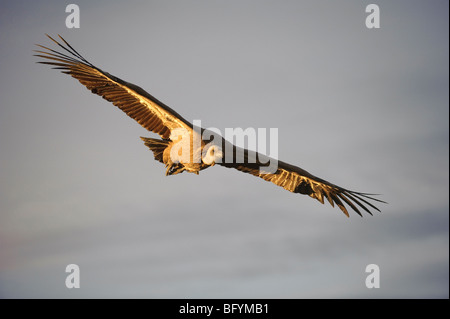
column 202, row 152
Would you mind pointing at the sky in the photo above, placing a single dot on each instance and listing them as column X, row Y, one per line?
column 366, row 109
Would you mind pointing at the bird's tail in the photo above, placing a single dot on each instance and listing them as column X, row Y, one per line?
column 157, row 146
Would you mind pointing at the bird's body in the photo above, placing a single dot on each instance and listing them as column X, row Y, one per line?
column 183, row 147
column 176, row 153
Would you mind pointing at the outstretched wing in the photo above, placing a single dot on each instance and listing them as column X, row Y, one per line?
column 152, row 114
column 297, row 180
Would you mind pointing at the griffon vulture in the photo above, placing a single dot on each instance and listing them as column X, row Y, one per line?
column 157, row 117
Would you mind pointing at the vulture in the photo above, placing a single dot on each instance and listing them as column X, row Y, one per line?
column 183, row 146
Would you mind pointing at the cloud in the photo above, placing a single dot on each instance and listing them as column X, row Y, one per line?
column 365, row 109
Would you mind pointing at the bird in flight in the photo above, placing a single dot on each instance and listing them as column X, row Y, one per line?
column 183, row 147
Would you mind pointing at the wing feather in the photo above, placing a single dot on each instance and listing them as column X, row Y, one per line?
column 297, row 180
column 150, row 113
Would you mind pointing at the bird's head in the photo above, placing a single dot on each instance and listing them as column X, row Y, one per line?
column 212, row 154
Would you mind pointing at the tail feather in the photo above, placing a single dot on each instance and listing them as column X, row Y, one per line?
column 157, row 146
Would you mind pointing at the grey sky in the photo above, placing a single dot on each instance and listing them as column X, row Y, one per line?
column 364, row 109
